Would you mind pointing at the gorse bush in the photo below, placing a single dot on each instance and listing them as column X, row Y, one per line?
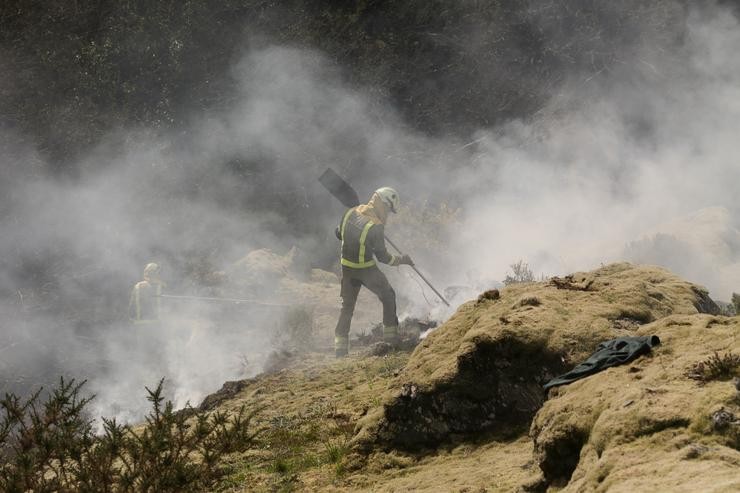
column 52, row 446
column 716, row 367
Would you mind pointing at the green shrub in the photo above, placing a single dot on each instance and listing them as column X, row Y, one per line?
column 716, row 367
column 335, row 450
column 52, row 446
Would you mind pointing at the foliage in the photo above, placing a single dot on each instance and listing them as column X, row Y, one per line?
column 316, row 436
column 520, row 272
column 716, row 367
column 94, row 65
column 52, row 446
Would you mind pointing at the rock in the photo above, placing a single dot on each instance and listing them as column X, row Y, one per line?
column 490, row 295
column 703, row 303
column 722, row 418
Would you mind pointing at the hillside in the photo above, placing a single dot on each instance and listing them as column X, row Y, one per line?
column 466, row 411
column 170, row 283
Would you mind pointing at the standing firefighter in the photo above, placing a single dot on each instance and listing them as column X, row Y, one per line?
column 145, row 298
column 363, row 237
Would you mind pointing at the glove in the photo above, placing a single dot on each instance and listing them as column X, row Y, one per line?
column 405, row 259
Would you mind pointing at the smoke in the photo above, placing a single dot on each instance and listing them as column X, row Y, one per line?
column 196, row 201
column 650, row 142
column 614, row 155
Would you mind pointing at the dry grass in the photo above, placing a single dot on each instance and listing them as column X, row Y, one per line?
column 571, row 322
column 646, row 426
column 638, row 427
column 537, row 323
column 310, row 411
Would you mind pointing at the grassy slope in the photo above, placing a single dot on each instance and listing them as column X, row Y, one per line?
column 640, row 426
column 310, row 411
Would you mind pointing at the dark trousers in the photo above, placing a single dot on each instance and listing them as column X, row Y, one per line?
column 374, row 280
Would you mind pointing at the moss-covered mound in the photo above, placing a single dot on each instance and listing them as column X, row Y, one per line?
column 485, row 367
column 670, row 422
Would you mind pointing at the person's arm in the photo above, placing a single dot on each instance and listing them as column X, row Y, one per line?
column 376, row 242
column 376, row 239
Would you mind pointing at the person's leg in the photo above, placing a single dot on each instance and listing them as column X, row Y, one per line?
column 376, row 282
column 349, row 291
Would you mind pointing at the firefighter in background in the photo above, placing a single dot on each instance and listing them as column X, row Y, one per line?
column 144, row 304
column 362, row 234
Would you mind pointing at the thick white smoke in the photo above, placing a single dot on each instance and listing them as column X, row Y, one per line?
column 654, row 142
column 610, row 159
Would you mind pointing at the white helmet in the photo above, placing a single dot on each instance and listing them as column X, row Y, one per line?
column 390, row 197
column 151, row 271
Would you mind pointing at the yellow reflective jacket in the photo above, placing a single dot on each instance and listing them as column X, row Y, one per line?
column 362, row 233
column 145, row 303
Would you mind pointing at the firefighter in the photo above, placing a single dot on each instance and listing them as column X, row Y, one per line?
column 144, row 304
column 363, row 242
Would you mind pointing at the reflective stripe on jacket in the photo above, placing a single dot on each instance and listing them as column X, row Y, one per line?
column 361, row 240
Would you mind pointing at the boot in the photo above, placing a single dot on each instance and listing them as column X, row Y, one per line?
column 341, row 346
column 390, row 335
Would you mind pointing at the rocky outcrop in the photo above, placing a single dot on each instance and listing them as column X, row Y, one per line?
column 483, row 370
